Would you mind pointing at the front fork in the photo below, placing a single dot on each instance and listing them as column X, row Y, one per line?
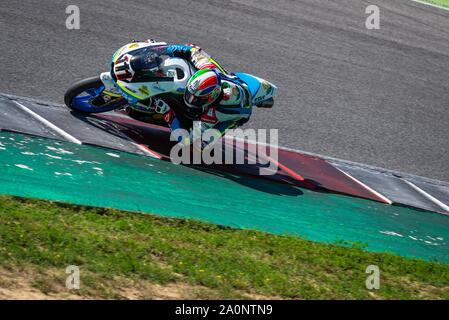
column 109, row 86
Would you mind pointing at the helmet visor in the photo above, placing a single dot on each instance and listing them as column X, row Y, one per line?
column 193, row 101
column 146, row 66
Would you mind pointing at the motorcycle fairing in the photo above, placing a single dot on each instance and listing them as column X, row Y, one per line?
column 259, row 88
column 177, row 70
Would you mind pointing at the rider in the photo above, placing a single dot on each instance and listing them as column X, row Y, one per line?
column 220, row 100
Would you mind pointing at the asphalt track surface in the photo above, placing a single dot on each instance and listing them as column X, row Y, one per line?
column 379, row 97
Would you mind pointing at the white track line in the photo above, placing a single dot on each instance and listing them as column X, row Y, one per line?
column 72, row 138
column 431, row 5
column 385, row 199
column 48, row 123
column 428, row 196
column 147, row 150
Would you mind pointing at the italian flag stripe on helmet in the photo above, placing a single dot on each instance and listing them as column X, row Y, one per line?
column 199, row 73
column 203, row 82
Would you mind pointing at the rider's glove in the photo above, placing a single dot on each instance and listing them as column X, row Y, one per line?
column 199, row 57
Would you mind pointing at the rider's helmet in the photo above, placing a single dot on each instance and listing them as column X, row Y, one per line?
column 203, row 88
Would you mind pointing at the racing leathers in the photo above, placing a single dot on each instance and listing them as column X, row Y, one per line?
column 231, row 109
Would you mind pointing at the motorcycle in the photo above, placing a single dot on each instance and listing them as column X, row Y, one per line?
column 100, row 94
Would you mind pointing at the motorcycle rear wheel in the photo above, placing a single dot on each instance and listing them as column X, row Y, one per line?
column 86, row 96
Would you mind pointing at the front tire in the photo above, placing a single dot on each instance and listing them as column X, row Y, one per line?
column 81, row 97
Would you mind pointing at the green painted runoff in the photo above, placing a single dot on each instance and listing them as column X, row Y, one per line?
column 86, row 175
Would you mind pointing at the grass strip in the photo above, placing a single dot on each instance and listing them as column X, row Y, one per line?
column 121, row 252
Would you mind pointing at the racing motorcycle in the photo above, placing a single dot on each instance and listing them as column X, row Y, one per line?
column 101, row 94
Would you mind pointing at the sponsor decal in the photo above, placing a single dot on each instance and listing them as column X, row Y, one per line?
column 130, row 89
column 144, row 90
column 158, row 88
column 261, row 98
column 209, row 116
column 267, row 87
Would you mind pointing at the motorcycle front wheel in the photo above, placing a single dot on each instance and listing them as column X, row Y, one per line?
column 87, row 96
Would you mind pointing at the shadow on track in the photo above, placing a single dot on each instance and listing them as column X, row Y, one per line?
column 276, row 188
